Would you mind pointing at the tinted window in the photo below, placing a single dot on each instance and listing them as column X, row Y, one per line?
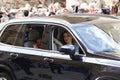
column 36, row 36
column 10, row 34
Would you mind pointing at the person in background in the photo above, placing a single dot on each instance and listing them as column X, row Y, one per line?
column 51, row 14
column 4, row 18
column 113, row 7
column 26, row 13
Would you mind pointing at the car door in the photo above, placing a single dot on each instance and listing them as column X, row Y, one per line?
column 60, row 66
column 45, row 63
column 26, row 61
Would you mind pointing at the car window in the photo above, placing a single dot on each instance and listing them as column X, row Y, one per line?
column 27, row 35
column 10, row 34
column 59, row 39
column 33, row 36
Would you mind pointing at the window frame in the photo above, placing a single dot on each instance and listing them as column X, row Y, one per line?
column 55, row 26
column 5, row 29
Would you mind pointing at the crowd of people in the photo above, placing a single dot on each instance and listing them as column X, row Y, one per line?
column 59, row 8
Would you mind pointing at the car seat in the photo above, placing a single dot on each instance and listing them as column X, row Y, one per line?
column 56, row 44
column 32, row 37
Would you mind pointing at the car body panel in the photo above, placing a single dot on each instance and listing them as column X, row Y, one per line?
column 28, row 63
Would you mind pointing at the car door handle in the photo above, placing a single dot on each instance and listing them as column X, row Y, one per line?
column 14, row 55
column 49, row 59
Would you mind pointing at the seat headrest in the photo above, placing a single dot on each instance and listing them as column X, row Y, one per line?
column 29, row 44
column 33, row 35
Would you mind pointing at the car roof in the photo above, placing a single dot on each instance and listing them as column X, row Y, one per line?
column 70, row 19
column 38, row 19
column 85, row 18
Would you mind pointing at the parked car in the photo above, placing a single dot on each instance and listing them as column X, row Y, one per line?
column 93, row 55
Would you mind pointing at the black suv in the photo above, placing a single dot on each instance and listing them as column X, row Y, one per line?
column 93, row 55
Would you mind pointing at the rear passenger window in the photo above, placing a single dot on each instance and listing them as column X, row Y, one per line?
column 33, row 35
column 27, row 35
column 10, row 34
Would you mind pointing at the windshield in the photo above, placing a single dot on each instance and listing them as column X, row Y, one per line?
column 97, row 38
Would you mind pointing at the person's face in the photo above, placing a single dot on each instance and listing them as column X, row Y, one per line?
column 39, row 41
column 67, row 38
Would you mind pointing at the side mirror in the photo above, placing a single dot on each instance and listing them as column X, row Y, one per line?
column 70, row 50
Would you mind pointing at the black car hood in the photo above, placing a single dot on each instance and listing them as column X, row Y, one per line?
column 110, row 54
